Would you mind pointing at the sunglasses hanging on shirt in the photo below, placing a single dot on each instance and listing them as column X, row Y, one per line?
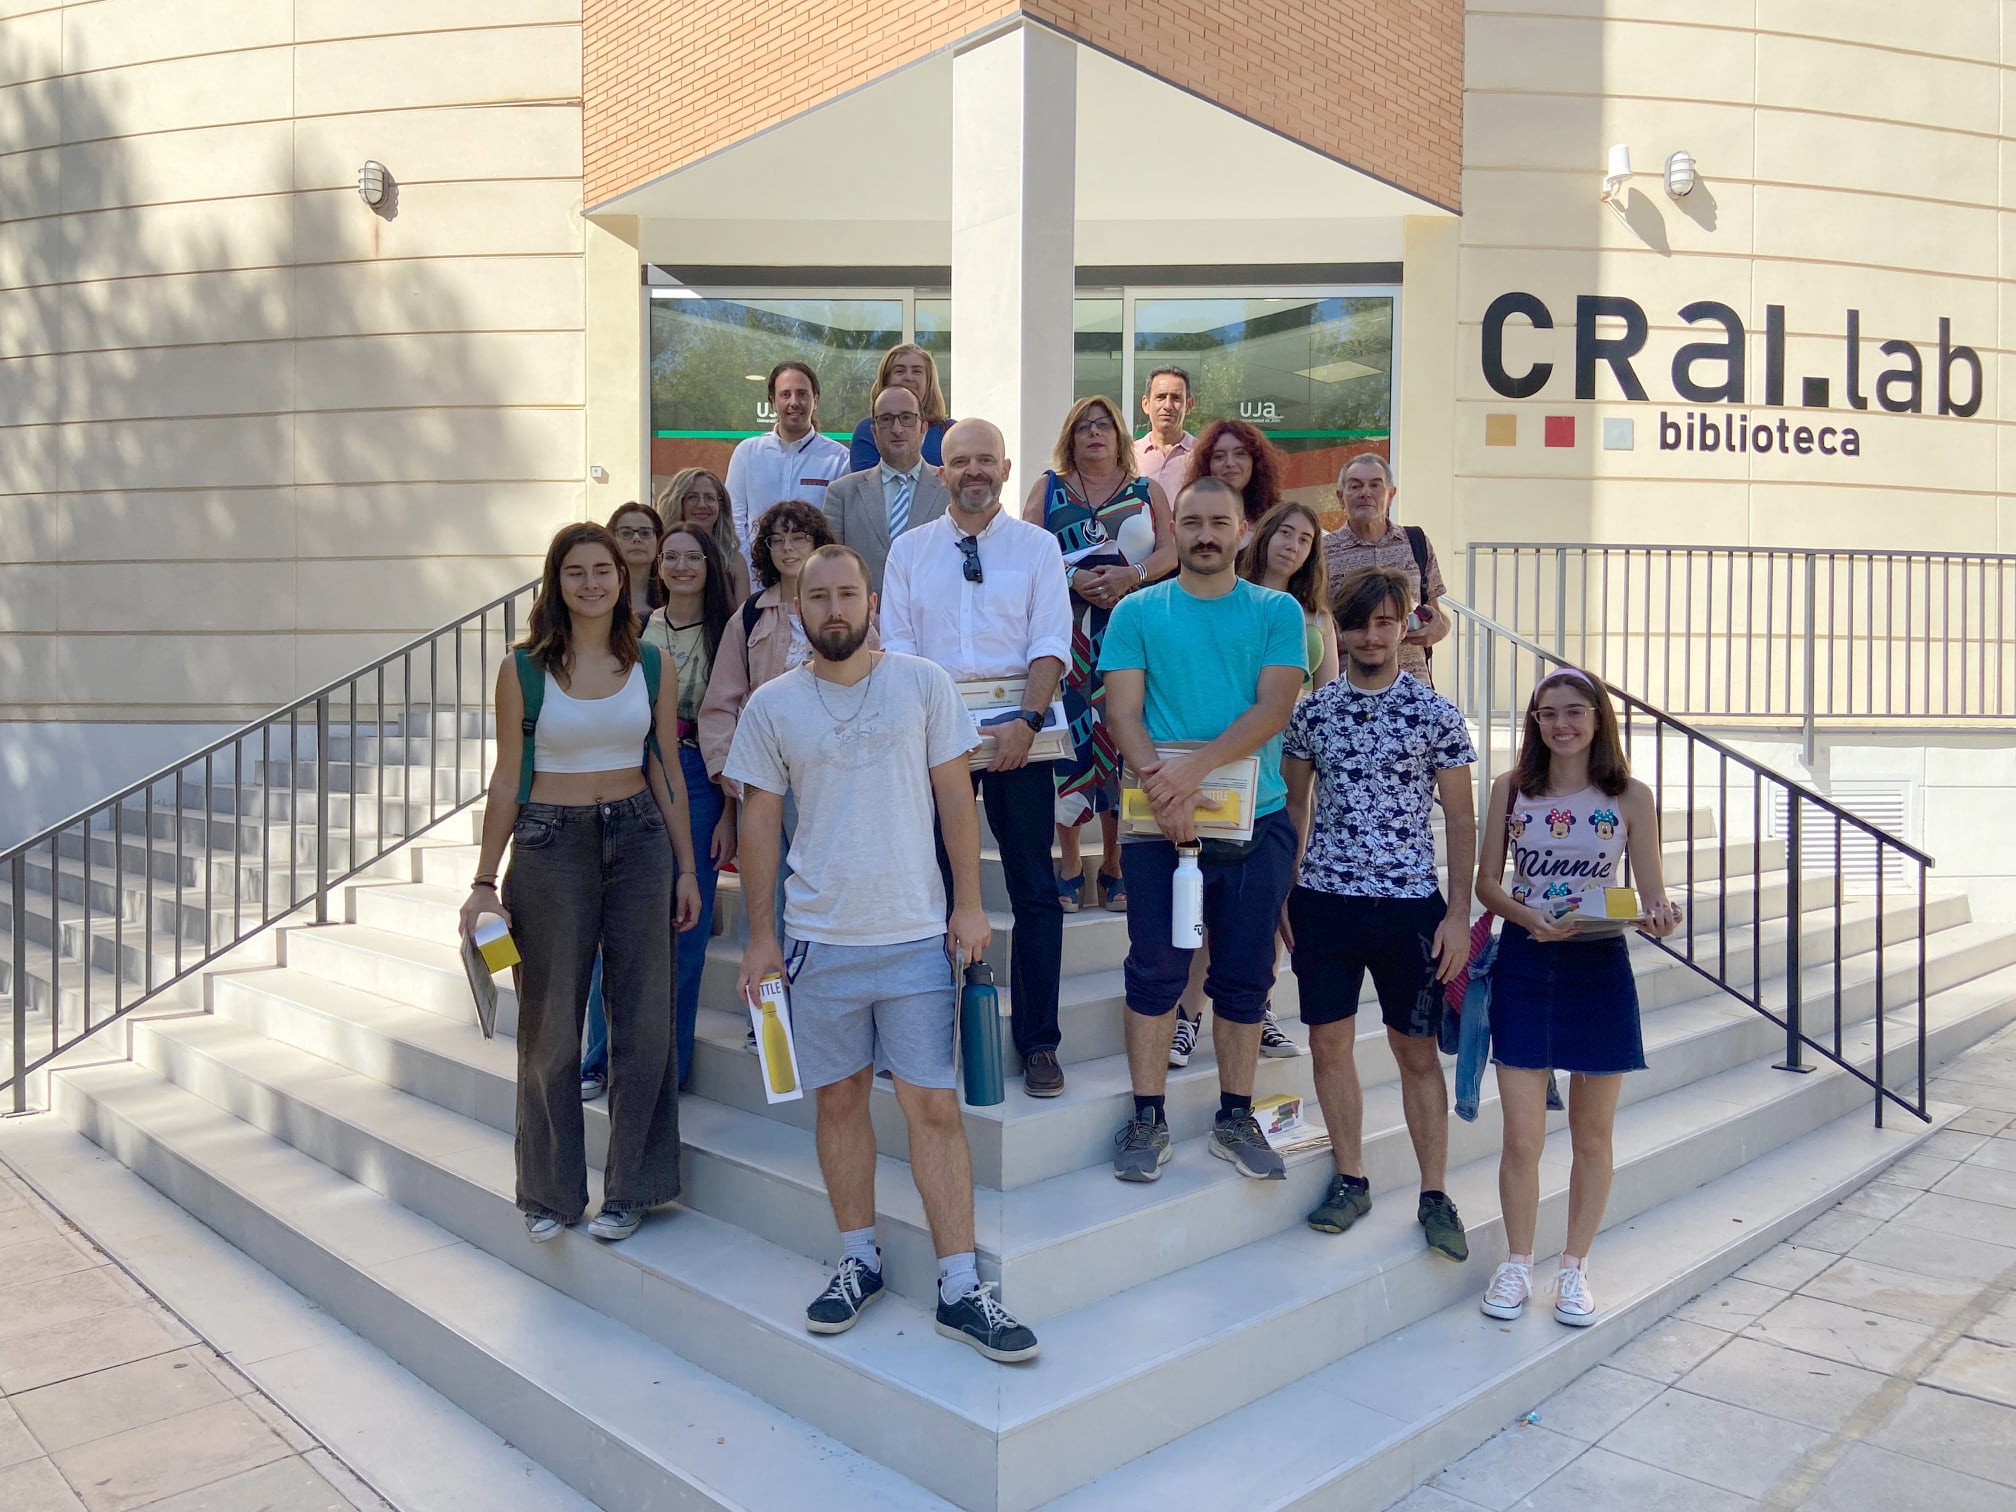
column 969, row 548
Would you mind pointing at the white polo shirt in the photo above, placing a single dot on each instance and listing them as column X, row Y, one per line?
column 1019, row 611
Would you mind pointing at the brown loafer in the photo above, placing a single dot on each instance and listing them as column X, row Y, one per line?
column 1041, row 1075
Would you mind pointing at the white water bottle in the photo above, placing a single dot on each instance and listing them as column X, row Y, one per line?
column 1186, row 901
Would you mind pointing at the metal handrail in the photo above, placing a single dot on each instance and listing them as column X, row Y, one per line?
column 1801, row 637
column 1498, row 670
column 339, row 700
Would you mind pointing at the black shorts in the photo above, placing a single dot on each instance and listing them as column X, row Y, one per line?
column 1339, row 939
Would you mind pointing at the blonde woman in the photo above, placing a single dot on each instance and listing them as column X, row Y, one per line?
column 906, row 366
column 697, row 496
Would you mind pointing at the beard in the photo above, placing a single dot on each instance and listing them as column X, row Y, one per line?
column 1366, row 668
column 835, row 643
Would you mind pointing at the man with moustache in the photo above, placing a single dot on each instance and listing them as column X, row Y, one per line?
column 873, row 745
column 1231, row 704
column 981, row 592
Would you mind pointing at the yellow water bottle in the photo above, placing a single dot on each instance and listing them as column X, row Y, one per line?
column 776, row 1046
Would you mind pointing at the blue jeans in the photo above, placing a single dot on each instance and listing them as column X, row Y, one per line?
column 703, row 811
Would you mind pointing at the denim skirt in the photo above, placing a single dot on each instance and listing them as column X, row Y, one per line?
column 1568, row 1005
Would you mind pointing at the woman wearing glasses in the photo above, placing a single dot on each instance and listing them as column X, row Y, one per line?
column 1562, row 994
column 1113, row 527
column 697, row 496
column 908, row 366
column 637, row 529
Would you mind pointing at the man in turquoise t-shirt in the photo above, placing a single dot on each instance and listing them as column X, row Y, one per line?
column 1207, row 657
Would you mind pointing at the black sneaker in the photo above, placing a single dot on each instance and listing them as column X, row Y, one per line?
column 1438, row 1216
column 1273, row 1043
column 839, row 1307
column 1343, row 1205
column 979, row 1320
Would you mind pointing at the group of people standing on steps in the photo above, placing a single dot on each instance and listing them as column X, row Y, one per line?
column 764, row 671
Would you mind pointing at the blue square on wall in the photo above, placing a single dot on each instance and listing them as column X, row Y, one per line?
column 1618, row 434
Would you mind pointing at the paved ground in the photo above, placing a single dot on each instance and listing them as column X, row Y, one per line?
column 108, row 1403
column 1867, row 1365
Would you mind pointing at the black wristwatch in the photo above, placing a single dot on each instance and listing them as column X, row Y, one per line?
column 1033, row 718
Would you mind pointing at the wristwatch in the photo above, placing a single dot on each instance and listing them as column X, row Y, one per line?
column 1031, row 717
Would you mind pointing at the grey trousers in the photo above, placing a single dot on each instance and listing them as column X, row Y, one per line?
column 583, row 878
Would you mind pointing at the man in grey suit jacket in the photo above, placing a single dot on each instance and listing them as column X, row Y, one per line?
column 870, row 508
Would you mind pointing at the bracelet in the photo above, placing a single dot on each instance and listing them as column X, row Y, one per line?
column 489, row 882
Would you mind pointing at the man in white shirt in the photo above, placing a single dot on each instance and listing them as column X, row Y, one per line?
column 793, row 461
column 982, row 593
column 870, row 508
column 1164, row 454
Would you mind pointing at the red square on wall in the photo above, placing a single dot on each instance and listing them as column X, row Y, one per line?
column 1560, row 430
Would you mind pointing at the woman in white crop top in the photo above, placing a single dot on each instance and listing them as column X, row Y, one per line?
column 594, row 853
column 1562, row 992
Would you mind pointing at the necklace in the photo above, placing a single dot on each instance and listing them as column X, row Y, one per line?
column 867, row 688
column 1085, row 491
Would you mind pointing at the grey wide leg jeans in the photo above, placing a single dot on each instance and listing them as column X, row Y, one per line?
column 582, row 878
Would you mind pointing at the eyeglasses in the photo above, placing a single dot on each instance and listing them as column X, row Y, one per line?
column 710, row 497
column 890, row 422
column 781, row 539
column 635, row 533
column 684, row 559
column 969, row 548
column 1094, row 425
column 1567, row 713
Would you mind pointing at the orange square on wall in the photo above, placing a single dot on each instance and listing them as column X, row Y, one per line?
column 1501, row 430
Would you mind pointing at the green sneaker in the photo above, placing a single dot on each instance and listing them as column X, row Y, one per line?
column 1438, row 1216
column 1343, row 1205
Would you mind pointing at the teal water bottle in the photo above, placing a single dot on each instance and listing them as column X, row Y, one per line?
column 980, row 1037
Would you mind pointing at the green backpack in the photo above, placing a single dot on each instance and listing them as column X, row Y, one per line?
column 532, row 684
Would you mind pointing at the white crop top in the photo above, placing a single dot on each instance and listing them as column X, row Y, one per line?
column 592, row 734
column 1563, row 845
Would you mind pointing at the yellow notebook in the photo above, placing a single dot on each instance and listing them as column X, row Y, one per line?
column 1233, row 785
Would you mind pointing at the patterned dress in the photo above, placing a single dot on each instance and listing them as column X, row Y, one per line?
column 1088, row 537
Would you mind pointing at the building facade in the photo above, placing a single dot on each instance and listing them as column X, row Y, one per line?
column 256, row 430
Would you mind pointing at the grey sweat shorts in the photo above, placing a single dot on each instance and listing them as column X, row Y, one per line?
column 892, row 1006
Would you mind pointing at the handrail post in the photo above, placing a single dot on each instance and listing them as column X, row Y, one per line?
column 19, row 884
column 1794, row 1058
column 1806, row 728
column 322, row 809
column 1561, row 602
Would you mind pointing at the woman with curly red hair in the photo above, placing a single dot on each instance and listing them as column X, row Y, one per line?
column 1243, row 459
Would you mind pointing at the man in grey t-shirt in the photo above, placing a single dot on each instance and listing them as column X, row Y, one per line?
column 874, row 747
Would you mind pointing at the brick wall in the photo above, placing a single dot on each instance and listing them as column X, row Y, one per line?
column 1375, row 83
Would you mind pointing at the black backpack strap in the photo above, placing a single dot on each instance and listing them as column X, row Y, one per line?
column 751, row 612
column 532, row 688
column 654, row 671
column 1418, row 539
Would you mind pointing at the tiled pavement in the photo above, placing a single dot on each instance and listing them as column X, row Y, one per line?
column 108, row 1403
column 1868, row 1363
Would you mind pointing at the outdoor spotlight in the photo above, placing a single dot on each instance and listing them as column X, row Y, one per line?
column 1620, row 170
column 1680, row 174
column 371, row 183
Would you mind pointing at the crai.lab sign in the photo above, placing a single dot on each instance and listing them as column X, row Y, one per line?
column 1894, row 376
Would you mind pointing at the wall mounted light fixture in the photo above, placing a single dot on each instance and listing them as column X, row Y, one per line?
column 371, row 183
column 1619, row 171
column 1680, row 175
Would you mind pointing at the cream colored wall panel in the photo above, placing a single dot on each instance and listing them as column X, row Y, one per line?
column 215, row 90
column 1958, row 28
column 190, row 597
column 238, row 452
column 439, row 293
column 1893, row 302
column 31, row 252
column 1574, row 132
column 434, row 519
column 114, row 33
column 30, row 459
column 1788, row 513
column 1831, row 225
column 403, row 593
column 201, row 525
column 2005, row 245
column 115, row 669
column 31, row 184
column 179, row 309
column 32, row 390
column 31, row 46
column 1808, row 73
column 322, row 20
column 385, row 446
column 212, row 163
column 479, row 142
column 443, row 220
column 31, row 114
column 1661, row 285
column 1548, row 55
column 1679, row 512
column 1737, row 13
column 616, row 350
column 155, row 383
column 399, row 73
column 1505, row 207
column 191, row 238
column 1881, row 157
column 33, row 527
column 446, row 369
column 29, row 598
column 321, row 658
column 29, row 317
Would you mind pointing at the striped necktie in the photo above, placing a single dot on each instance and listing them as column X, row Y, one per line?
column 899, row 506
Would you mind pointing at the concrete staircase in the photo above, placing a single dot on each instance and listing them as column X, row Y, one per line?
column 325, row 1101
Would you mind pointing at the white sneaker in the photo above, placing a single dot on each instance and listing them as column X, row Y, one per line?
column 539, row 1228
column 1272, row 1041
column 1185, row 1042
column 614, row 1227
column 1573, row 1303
column 1511, row 1284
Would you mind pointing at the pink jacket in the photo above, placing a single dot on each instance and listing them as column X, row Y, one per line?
column 741, row 666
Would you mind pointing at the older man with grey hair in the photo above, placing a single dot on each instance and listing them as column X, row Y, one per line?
column 1365, row 492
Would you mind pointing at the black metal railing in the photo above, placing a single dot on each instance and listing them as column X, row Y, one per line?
column 1860, row 883
column 1775, row 635
column 116, row 904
